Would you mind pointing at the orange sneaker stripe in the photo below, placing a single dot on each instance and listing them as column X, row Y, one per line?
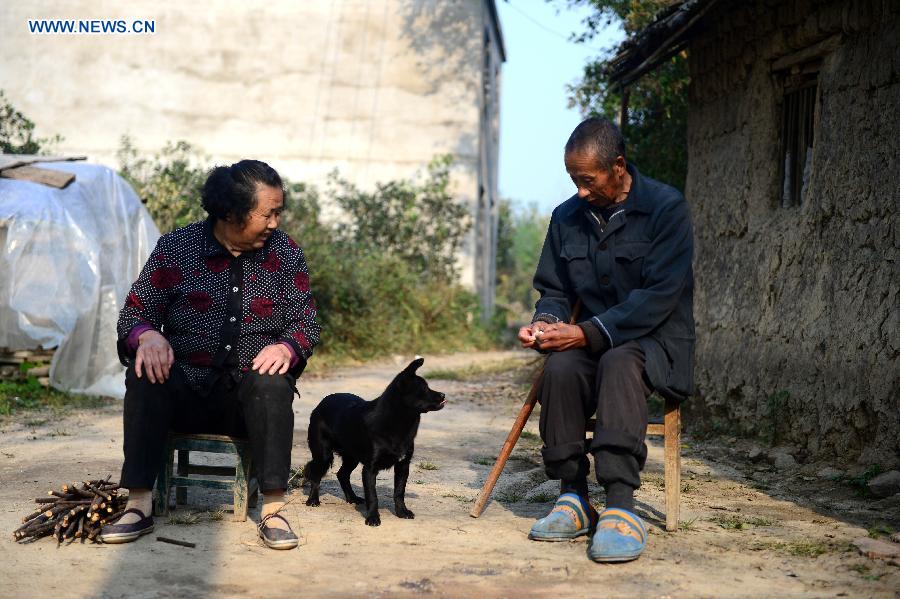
column 628, row 518
column 575, row 515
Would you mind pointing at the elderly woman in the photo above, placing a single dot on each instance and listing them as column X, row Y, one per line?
column 214, row 333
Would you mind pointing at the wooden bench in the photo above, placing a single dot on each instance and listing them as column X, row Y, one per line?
column 238, row 478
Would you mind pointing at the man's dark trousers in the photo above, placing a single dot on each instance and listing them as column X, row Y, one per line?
column 258, row 408
column 577, row 386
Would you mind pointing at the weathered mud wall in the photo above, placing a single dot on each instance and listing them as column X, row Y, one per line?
column 797, row 308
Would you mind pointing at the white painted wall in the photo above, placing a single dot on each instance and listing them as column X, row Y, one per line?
column 373, row 88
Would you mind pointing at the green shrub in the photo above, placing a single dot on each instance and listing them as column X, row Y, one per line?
column 520, row 237
column 418, row 222
column 371, row 304
column 168, row 184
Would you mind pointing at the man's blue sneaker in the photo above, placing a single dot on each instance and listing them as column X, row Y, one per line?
column 570, row 518
column 620, row 537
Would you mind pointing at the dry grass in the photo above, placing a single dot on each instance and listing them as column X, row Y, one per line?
column 794, row 548
column 687, row 525
column 735, row 522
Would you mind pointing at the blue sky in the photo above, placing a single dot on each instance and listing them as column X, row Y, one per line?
column 534, row 119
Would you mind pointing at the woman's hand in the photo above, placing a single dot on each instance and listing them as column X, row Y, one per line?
column 273, row 359
column 155, row 354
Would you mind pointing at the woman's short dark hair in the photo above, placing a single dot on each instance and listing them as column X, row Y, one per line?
column 231, row 190
column 599, row 137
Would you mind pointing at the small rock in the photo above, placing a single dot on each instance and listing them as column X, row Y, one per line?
column 885, row 485
column 755, row 453
column 830, row 473
column 873, row 548
column 785, row 461
column 896, row 537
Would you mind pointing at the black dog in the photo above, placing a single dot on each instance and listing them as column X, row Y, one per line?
column 379, row 433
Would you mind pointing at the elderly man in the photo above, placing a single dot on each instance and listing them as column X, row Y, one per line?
column 620, row 249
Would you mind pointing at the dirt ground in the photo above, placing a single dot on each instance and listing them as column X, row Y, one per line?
column 749, row 529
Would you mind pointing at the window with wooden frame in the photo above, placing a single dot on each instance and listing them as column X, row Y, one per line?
column 798, row 74
column 798, row 119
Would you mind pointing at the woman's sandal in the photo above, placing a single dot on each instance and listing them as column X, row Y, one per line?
column 277, row 538
column 126, row 533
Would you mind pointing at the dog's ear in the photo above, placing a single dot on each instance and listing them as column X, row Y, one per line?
column 414, row 365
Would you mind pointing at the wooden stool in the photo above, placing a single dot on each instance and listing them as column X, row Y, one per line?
column 244, row 486
column 670, row 430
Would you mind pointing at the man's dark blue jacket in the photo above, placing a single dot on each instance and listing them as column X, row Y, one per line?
column 633, row 276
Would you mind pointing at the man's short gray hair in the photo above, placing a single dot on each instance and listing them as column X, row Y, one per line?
column 599, row 137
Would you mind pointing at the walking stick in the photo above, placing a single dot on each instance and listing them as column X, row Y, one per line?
column 513, row 436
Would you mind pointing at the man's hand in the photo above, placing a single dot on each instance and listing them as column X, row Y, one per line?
column 558, row 336
column 273, row 359
column 527, row 334
column 155, row 355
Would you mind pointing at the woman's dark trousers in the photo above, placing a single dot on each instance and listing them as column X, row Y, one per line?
column 577, row 386
column 257, row 408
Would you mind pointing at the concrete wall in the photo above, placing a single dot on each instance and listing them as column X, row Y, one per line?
column 797, row 308
column 489, row 144
column 374, row 88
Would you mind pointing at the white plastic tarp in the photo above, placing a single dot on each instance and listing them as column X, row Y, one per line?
column 67, row 260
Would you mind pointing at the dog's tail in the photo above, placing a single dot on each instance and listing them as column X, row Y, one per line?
column 322, row 453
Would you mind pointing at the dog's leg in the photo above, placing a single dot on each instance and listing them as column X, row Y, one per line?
column 368, row 479
column 313, row 472
column 315, row 469
column 401, row 473
column 343, row 476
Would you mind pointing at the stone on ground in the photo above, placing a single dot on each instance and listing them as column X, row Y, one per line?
column 885, row 485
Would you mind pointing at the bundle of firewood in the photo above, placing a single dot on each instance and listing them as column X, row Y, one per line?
column 74, row 512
